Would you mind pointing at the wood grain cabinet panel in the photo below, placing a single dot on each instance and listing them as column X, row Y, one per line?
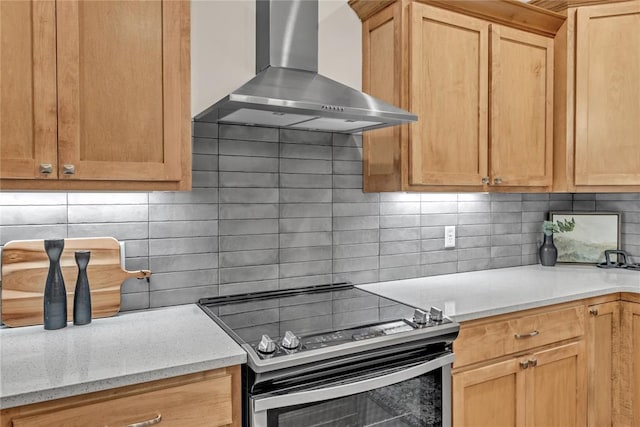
column 556, row 387
column 521, row 102
column 490, row 396
column 381, row 46
column 607, row 122
column 100, row 90
column 522, row 370
column 630, row 364
column 597, row 96
column 486, row 340
column 449, row 69
column 209, row 399
column 119, row 92
column 603, row 349
column 483, row 94
column 545, row 388
column 27, row 89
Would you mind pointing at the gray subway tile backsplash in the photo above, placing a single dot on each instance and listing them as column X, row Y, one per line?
column 276, row 208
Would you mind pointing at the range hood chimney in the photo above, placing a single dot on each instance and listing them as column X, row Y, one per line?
column 287, row 91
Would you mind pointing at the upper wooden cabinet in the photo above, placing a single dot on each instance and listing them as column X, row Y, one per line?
column 597, row 102
column 119, row 73
column 521, row 105
column 482, row 91
column 448, row 92
column 28, row 123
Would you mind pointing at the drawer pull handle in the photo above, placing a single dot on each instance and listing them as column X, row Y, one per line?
column 524, row 364
column 152, row 421
column 529, row 335
column 533, row 362
column 593, row 311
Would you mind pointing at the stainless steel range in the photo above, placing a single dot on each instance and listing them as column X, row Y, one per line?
column 337, row 355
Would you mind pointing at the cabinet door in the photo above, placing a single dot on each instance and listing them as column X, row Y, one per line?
column 381, row 77
column 630, row 364
column 521, row 104
column 121, row 85
column 607, row 151
column 556, row 387
column 602, row 359
column 489, row 396
column 449, row 94
column 27, row 88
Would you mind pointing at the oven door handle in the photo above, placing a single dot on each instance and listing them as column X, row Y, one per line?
column 332, row 392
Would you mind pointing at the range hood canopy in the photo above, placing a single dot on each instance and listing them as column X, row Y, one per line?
column 287, row 91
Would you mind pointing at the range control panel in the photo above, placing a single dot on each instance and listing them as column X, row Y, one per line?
column 356, row 334
column 276, row 348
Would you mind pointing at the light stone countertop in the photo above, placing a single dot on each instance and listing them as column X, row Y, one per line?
column 38, row 365
column 478, row 294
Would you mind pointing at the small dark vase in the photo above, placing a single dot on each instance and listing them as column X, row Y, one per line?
column 548, row 252
column 55, row 294
column 82, row 295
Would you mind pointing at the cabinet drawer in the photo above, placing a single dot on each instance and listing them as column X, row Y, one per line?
column 478, row 342
column 202, row 403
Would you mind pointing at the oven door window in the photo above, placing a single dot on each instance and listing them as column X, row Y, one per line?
column 416, row 402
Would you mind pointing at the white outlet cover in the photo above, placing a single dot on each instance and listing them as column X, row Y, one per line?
column 450, row 236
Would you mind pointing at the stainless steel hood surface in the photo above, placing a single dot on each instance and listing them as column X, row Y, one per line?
column 288, row 91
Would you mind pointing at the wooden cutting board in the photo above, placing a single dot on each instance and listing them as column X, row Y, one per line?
column 25, row 266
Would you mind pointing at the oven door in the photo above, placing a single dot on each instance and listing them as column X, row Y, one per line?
column 417, row 394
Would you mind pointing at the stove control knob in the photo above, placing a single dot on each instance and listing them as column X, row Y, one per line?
column 266, row 346
column 290, row 341
column 436, row 314
column 420, row 317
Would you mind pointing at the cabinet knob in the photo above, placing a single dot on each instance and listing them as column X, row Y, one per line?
column 485, row 180
column 533, row 362
column 524, row 364
column 497, row 181
column 593, row 311
column 46, row 168
column 68, row 169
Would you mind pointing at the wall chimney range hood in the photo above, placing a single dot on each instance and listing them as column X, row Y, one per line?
column 287, row 91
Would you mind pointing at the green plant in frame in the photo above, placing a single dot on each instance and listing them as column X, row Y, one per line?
column 559, row 226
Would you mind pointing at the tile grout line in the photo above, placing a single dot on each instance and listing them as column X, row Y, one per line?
column 149, row 245
column 333, row 280
column 279, row 208
column 218, row 255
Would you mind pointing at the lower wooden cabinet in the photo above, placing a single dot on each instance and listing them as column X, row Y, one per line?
column 630, row 361
column 614, row 362
column 556, row 386
column 572, row 364
column 544, row 388
column 534, row 372
column 493, row 395
column 603, row 340
column 209, row 398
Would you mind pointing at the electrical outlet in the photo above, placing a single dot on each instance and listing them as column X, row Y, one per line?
column 450, row 236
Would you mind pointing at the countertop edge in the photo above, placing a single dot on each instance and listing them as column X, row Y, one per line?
column 542, row 303
column 477, row 295
column 39, row 396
